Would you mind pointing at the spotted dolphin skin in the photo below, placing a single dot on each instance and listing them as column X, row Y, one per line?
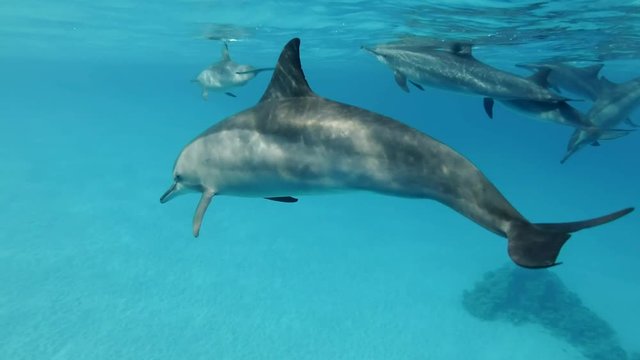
column 456, row 69
column 612, row 108
column 225, row 74
column 294, row 142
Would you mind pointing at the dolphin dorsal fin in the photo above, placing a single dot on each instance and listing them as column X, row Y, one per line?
column 225, row 52
column 462, row 49
column 593, row 70
column 288, row 79
column 541, row 77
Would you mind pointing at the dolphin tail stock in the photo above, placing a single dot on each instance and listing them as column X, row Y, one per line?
column 255, row 71
column 538, row 245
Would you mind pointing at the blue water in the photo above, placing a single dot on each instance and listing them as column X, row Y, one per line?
column 96, row 103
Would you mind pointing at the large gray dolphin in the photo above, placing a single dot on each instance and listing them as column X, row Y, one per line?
column 582, row 81
column 294, row 142
column 611, row 108
column 225, row 75
column 456, row 69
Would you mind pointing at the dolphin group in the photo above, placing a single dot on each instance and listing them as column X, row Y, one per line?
column 226, row 74
column 611, row 108
column 294, row 142
column 452, row 66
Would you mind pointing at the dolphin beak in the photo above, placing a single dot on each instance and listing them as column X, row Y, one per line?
column 369, row 50
column 169, row 194
column 568, row 154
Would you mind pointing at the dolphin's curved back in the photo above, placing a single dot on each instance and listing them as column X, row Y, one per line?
column 288, row 79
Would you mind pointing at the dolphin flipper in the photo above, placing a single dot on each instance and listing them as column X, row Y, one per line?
column 538, row 245
column 205, row 200
column 284, row 199
column 205, row 93
column 401, row 80
column 488, row 106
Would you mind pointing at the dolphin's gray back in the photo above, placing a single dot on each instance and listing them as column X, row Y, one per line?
column 461, row 72
column 615, row 104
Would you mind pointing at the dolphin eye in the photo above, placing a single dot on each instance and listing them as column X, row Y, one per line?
column 177, row 178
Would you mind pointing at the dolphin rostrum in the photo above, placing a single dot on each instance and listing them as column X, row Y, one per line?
column 456, row 69
column 294, row 142
column 611, row 108
column 226, row 74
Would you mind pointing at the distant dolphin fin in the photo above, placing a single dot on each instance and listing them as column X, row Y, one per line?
column 254, row 71
column 288, row 80
column 225, row 52
column 205, row 200
column 417, row 85
column 593, row 70
column 538, row 245
column 595, row 143
column 401, row 80
column 629, row 122
column 541, row 76
column 230, row 94
column 284, row 199
column 462, row 49
column 488, row 106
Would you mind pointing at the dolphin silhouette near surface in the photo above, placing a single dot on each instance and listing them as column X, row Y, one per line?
column 294, row 142
column 611, row 108
column 226, row 74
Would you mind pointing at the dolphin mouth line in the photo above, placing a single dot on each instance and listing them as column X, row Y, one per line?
column 168, row 194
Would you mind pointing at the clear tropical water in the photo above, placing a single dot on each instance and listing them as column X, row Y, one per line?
column 96, row 102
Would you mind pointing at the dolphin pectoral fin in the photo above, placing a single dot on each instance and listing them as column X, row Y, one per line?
column 488, row 106
column 284, row 199
column 401, row 80
column 417, row 85
column 205, row 200
column 205, row 94
column 254, row 71
column 230, row 94
column 595, row 143
column 538, row 245
column 629, row 122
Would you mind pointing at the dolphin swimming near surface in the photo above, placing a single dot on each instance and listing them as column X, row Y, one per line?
column 582, row 81
column 555, row 112
column 611, row 108
column 456, row 69
column 226, row 74
column 294, row 142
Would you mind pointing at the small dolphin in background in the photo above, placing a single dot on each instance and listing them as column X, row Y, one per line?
column 296, row 142
column 226, row 74
column 456, row 69
column 611, row 108
column 581, row 81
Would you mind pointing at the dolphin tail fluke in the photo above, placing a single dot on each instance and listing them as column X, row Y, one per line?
column 255, row 71
column 538, row 245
